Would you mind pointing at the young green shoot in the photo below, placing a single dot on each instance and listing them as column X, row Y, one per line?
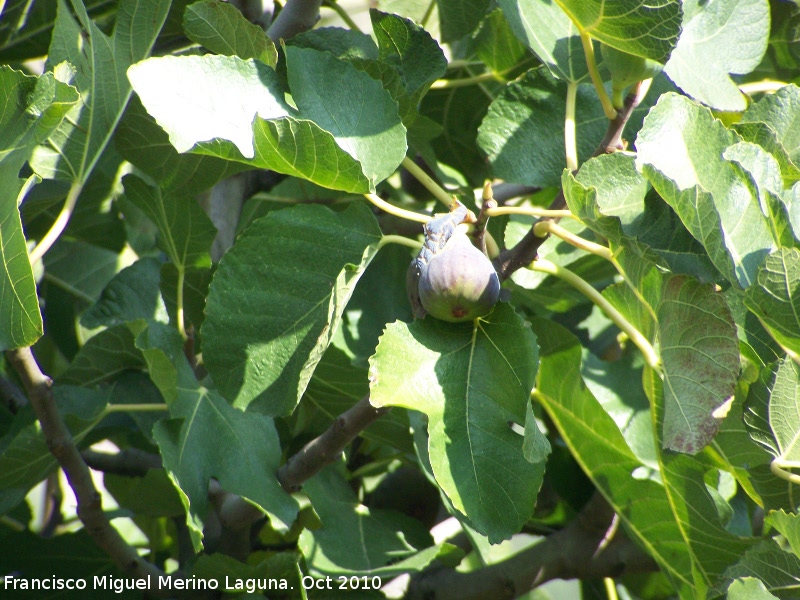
column 545, row 266
column 591, row 63
column 434, row 188
column 570, row 140
column 397, row 211
column 545, row 228
column 529, row 211
column 59, row 225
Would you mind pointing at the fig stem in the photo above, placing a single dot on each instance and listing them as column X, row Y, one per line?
column 400, row 240
column 531, row 211
column 545, row 266
column 767, row 86
column 443, row 84
column 397, row 211
column 570, row 142
column 591, row 63
column 545, row 228
column 434, row 188
column 59, row 225
column 779, row 468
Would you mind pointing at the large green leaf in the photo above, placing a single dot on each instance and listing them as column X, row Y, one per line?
column 99, row 65
column 223, row 29
column 277, row 298
column 104, row 357
column 470, row 379
column 681, row 149
column 185, row 231
column 700, row 356
column 550, row 34
column 661, row 513
column 356, row 540
column 713, row 547
column 648, row 29
column 775, row 298
column 717, row 38
column 600, row 448
column 142, row 142
column 132, row 294
column 523, row 132
column 329, row 140
column 245, row 454
column 30, row 110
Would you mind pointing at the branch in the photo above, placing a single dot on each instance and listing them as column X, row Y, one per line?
column 297, row 16
column 61, row 445
column 575, row 552
column 130, row 462
column 525, row 251
column 326, row 448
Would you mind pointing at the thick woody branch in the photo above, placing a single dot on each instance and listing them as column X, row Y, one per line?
column 59, row 441
column 297, row 16
column 525, row 251
column 326, row 448
column 578, row 551
column 130, row 462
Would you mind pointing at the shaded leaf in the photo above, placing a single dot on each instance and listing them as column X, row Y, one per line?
column 132, row 294
column 358, row 540
column 277, row 298
column 104, row 357
column 471, row 379
column 185, row 231
column 522, row 133
column 457, row 18
column 246, row 447
column 26, row 458
column 222, row 28
column 776, row 568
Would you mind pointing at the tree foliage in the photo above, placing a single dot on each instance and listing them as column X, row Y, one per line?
column 206, row 219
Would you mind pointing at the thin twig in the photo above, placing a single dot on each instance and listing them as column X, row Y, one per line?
column 326, row 448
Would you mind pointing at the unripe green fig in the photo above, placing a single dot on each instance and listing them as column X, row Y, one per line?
column 458, row 283
column 626, row 69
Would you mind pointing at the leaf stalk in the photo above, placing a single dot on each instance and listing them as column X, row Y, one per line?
column 434, row 188
column 591, row 63
column 545, row 266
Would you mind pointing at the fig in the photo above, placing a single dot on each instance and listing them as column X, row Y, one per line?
column 458, row 282
column 626, row 69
